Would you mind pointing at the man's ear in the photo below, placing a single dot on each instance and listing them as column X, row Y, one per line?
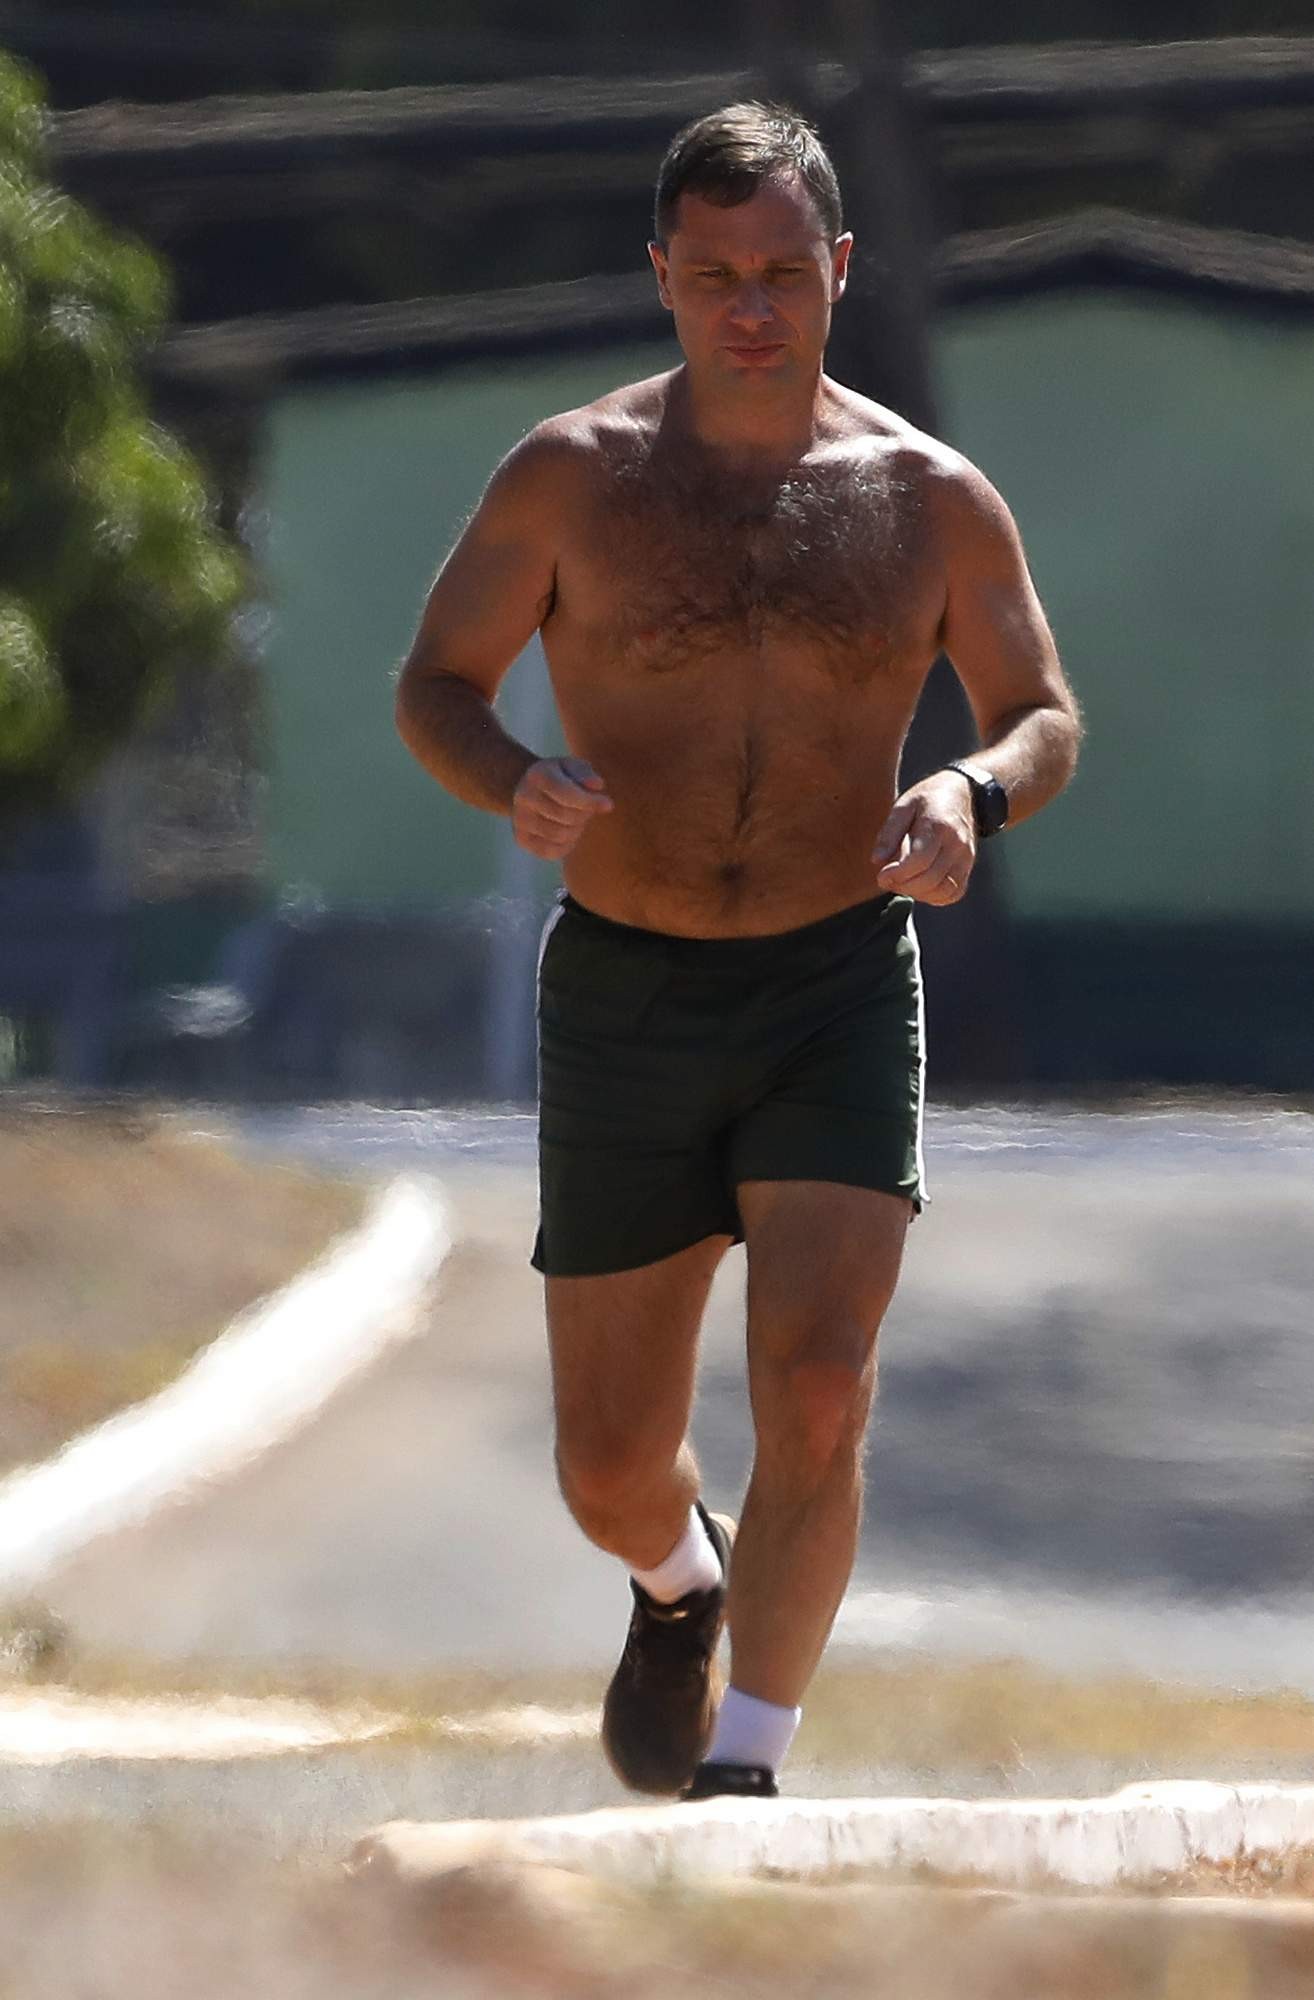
column 840, row 265
column 661, row 265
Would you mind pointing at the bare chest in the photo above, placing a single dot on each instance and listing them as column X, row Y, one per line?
column 829, row 566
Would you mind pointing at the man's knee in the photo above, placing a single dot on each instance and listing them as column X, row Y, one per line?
column 811, row 1405
column 601, row 1472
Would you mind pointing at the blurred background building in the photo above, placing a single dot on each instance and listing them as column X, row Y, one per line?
column 1088, row 262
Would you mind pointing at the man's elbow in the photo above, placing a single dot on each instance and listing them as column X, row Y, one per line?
column 419, row 709
column 404, row 704
column 1056, row 746
column 1069, row 728
column 417, row 696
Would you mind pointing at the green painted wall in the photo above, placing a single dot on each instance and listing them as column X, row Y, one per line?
column 1157, row 458
column 366, row 487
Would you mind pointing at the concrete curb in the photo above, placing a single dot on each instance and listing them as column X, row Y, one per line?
column 271, row 1370
column 1146, row 1833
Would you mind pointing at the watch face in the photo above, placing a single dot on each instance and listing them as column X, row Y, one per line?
column 992, row 807
column 989, row 799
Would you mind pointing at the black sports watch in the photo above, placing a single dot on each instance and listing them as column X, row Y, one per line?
column 989, row 799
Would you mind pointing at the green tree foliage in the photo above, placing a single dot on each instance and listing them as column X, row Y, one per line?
column 113, row 575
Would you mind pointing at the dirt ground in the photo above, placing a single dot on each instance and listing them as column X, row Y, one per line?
column 127, row 1242
column 90, row 1911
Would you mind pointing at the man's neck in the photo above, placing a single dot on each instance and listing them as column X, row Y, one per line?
column 761, row 420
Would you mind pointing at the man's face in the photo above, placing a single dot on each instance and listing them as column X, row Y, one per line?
column 752, row 287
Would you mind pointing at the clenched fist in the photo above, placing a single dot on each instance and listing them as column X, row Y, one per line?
column 927, row 847
column 554, row 802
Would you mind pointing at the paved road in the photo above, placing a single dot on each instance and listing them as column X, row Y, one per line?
column 1092, row 1446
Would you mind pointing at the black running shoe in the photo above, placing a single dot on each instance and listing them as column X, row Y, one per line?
column 739, row 1781
column 658, row 1715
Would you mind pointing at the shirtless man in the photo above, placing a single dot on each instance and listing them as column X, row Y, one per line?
column 742, row 572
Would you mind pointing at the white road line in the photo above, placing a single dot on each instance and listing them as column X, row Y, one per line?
column 53, row 1725
column 271, row 1370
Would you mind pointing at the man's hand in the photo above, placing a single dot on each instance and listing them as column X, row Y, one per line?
column 554, row 802
column 927, row 846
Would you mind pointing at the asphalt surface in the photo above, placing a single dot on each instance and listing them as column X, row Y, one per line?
column 1091, row 1446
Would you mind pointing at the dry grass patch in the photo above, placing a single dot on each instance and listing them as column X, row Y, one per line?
column 128, row 1243
column 1290, row 1873
column 928, row 1714
column 1006, row 1714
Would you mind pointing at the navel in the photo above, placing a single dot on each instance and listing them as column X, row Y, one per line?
column 731, row 879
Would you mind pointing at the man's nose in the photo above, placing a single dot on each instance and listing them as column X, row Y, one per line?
column 750, row 306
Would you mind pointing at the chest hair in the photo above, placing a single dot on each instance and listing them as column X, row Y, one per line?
column 701, row 561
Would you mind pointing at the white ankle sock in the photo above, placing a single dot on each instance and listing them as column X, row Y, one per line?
column 693, row 1564
column 749, row 1731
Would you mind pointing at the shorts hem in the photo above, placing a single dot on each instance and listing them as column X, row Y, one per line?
column 917, row 1195
column 603, row 1267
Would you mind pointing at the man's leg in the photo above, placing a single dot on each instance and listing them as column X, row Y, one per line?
column 623, row 1357
column 823, row 1260
column 624, row 1354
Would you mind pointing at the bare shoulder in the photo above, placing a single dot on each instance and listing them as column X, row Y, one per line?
column 970, row 513
column 570, row 447
column 961, row 504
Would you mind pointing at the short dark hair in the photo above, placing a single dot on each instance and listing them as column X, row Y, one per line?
column 728, row 155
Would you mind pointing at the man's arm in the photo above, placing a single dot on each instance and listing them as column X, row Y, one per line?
column 493, row 592
column 997, row 636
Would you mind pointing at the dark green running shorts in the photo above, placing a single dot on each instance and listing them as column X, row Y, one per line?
column 671, row 1069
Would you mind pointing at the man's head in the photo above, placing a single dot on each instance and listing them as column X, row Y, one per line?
column 748, row 247
column 728, row 155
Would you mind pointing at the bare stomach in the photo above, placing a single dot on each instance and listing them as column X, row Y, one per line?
column 686, row 872
column 748, row 788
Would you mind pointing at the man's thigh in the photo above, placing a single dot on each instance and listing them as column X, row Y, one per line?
column 823, row 1262
column 624, row 1346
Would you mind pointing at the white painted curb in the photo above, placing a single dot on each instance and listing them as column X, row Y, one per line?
column 274, row 1367
column 1143, row 1833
